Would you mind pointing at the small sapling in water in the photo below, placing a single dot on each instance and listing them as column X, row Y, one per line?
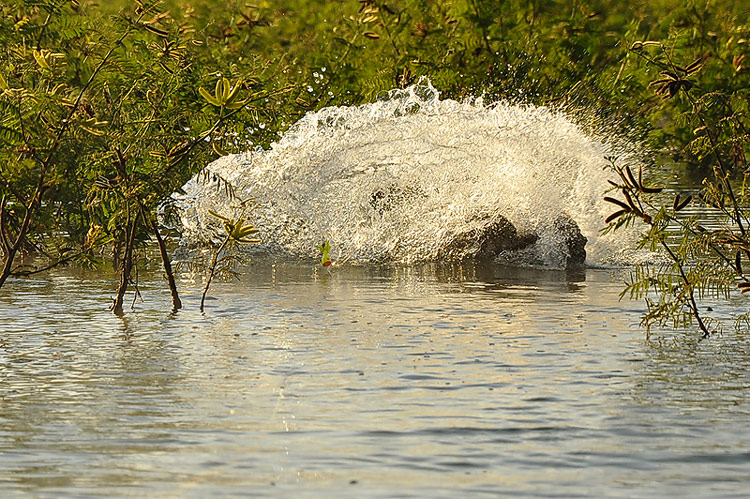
column 237, row 232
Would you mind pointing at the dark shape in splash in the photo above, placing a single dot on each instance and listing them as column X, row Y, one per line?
column 384, row 200
column 493, row 236
column 500, row 236
column 575, row 241
column 488, row 241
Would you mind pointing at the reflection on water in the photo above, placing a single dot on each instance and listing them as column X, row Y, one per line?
column 429, row 381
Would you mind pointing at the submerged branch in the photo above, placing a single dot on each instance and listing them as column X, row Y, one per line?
column 212, row 268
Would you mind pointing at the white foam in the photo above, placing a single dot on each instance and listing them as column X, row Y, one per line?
column 393, row 180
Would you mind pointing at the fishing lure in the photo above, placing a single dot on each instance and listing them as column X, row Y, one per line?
column 325, row 248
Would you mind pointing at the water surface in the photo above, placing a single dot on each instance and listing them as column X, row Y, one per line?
column 416, row 381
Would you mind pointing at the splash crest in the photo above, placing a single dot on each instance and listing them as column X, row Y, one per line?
column 398, row 179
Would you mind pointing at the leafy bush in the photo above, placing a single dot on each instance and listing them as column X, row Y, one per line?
column 705, row 252
column 103, row 119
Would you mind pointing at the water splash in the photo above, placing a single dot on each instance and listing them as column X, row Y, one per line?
column 397, row 179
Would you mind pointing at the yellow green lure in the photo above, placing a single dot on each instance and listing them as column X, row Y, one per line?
column 325, row 259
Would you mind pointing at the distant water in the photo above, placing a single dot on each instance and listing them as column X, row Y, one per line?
column 397, row 179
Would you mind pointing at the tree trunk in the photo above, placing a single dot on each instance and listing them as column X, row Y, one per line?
column 9, row 255
column 176, row 302
column 127, row 268
column 10, row 250
column 122, row 288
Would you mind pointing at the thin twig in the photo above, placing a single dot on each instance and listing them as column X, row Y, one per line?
column 692, row 304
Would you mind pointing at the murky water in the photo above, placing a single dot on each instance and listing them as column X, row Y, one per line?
column 422, row 381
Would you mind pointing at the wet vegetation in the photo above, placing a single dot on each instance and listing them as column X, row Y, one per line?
column 107, row 108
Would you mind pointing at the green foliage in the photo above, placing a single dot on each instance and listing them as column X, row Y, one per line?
column 101, row 120
column 704, row 254
column 236, row 233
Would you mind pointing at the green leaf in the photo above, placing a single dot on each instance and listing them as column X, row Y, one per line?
column 210, row 98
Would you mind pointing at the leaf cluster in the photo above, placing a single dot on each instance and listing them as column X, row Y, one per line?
column 704, row 252
column 102, row 117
